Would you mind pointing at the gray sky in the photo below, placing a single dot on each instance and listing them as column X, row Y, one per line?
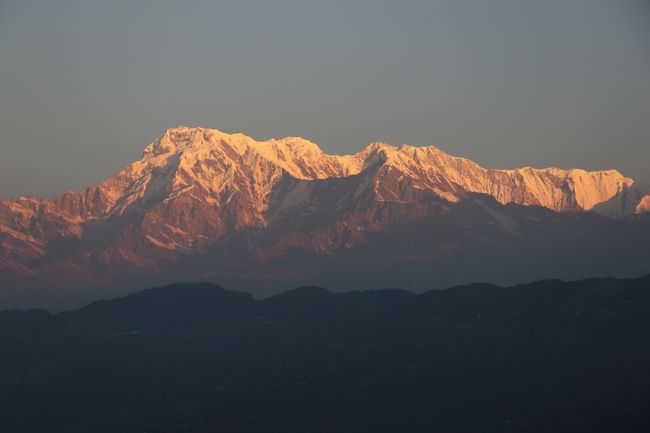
column 85, row 85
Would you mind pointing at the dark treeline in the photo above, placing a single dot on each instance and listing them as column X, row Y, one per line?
column 550, row 356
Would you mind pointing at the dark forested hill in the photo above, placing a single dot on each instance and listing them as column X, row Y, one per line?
column 548, row 356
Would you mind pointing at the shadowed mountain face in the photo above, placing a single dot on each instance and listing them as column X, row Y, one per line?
column 204, row 205
column 548, row 356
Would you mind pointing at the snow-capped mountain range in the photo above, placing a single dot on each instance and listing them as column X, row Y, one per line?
column 205, row 205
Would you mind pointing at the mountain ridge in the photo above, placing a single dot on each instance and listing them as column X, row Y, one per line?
column 182, row 139
column 238, row 206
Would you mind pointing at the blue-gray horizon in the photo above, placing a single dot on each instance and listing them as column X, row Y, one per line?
column 85, row 85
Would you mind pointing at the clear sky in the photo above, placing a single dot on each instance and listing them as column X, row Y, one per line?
column 85, row 85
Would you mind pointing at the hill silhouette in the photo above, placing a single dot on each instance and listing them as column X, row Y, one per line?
column 547, row 356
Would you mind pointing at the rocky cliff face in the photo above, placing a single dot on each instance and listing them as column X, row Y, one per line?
column 227, row 199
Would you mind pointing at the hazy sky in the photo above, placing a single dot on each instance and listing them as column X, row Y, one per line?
column 85, row 85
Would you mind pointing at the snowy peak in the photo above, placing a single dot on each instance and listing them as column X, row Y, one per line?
column 632, row 199
column 205, row 203
column 553, row 188
column 428, row 166
column 299, row 157
column 213, row 167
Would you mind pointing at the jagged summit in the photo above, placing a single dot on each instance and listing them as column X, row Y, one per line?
column 212, row 167
column 201, row 192
column 429, row 166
